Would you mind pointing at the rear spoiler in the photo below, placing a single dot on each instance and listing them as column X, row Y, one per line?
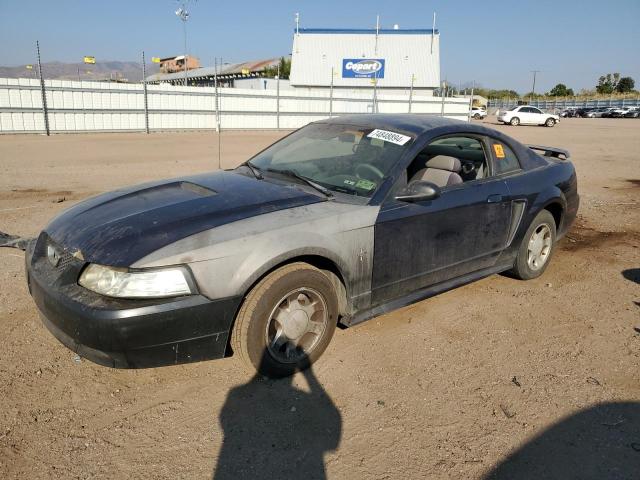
column 559, row 153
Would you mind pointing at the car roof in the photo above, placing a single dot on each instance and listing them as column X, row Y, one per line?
column 412, row 123
column 419, row 124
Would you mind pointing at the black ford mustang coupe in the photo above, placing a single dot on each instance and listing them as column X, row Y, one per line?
column 338, row 222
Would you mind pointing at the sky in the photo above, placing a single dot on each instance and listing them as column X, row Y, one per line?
column 496, row 43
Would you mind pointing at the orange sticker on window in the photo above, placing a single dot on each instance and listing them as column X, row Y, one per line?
column 499, row 150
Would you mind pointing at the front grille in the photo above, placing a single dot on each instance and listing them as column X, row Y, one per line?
column 65, row 260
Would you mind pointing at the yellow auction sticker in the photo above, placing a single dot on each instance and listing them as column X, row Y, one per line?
column 499, row 150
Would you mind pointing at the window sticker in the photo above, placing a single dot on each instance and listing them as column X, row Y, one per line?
column 349, row 182
column 365, row 184
column 497, row 148
column 388, row 136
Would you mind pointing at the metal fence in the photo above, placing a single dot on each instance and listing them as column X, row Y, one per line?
column 73, row 106
column 567, row 102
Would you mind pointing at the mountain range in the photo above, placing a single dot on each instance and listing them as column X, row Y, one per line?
column 123, row 71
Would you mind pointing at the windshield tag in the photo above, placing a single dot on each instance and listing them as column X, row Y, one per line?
column 365, row 184
column 388, row 136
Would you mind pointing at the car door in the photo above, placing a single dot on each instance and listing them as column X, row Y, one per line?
column 525, row 115
column 536, row 116
column 420, row 244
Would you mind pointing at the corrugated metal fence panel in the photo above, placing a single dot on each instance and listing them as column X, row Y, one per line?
column 95, row 106
column 563, row 103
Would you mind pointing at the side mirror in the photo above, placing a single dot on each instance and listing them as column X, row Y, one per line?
column 418, row 191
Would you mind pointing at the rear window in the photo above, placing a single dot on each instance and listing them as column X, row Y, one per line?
column 505, row 160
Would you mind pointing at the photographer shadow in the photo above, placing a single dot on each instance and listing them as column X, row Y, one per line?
column 272, row 429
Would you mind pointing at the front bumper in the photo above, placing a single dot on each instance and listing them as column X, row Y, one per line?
column 124, row 333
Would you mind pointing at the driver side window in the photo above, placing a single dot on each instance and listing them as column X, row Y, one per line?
column 450, row 161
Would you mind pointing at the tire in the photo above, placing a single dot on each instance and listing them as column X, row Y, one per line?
column 550, row 122
column 515, row 121
column 523, row 268
column 297, row 293
column 476, row 116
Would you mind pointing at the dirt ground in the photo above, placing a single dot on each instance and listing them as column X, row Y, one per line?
column 497, row 379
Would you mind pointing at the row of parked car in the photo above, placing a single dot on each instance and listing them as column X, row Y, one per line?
column 602, row 112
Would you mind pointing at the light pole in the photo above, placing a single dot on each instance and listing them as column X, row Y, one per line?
column 533, row 89
column 183, row 15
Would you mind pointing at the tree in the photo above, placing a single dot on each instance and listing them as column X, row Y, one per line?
column 625, row 85
column 493, row 93
column 561, row 90
column 285, row 69
column 608, row 83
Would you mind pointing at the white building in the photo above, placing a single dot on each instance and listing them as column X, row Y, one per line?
column 359, row 58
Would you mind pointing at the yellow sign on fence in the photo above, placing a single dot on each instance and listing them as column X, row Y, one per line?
column 29, row 67
column 155, row 59
column 246, row 71
column 90, row 60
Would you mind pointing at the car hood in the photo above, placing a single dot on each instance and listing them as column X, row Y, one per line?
column 120, row 227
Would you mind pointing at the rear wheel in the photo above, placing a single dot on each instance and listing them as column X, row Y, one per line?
column 476, row 116
column 550, row 122
column 287, row 321
column 536, row 247
column 515, row 121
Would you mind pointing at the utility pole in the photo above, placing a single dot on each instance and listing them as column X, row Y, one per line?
column 473, row 87
column 413, row 77
column 217, row 96
column 433, row 31
column 297, row 30
column 183, row 15
column 278, row 98
column 215, row 85
column 144, row 91
column 331, row 95
column 533, row 89
column 44, row 95
column 375, row 49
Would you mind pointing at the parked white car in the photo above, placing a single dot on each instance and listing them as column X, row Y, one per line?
column 478, row 113
column 527, row 115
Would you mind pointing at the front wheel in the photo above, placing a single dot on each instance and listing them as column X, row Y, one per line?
column 477, row 116
column 286, row 321
column 515, row 121
column 536, row 247
column 550, row 122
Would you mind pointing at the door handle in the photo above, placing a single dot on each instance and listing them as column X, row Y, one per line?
column 496, row 197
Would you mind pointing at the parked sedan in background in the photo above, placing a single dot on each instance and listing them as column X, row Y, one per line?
column 568, row 112
column 527, row 115
column 478, row 113
column 338, row 222
column 596, row 112
column 620, row 112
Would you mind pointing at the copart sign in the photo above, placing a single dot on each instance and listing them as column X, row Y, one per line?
column 363, row 68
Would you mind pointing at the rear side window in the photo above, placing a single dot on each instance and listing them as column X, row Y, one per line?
column 505, row 160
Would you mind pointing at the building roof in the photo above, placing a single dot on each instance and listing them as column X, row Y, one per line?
column 370, row 31
column 228, row 70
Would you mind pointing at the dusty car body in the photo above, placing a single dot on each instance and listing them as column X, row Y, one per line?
column 396, row 237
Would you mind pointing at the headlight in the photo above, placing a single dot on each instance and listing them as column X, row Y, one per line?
column 123, row 283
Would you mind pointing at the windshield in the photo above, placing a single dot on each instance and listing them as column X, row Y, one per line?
column 343, row 158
